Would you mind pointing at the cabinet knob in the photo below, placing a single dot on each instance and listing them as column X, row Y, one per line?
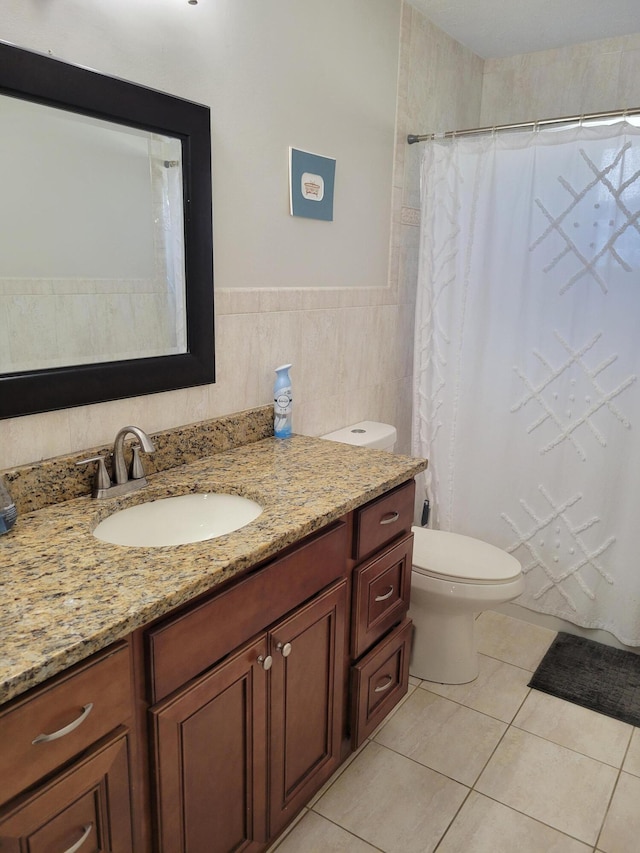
column 265, row 662
column 285, row 650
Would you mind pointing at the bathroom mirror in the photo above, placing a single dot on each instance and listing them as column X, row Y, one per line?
column 106, row 246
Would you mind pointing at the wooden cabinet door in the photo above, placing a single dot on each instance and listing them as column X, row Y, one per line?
column 210, row 754
column 85, row 808
column 307, row 680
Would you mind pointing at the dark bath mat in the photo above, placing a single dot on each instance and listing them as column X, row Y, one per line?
column 592, row 675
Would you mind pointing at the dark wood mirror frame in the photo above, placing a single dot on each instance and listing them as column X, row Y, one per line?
column 41, row 79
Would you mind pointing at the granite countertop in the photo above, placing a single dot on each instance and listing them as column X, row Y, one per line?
column 66, row 595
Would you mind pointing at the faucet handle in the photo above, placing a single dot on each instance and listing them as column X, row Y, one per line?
column 137, row 471
column 101, row 480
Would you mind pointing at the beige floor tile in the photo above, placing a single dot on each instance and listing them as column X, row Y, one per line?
column 337, row 773
column 289, row 829
column 621, row 831
column 443, row 735
column 392, row 802
column 315, row 834
column 588, row 732
column 484, row 826
column 499, row 689
column 551, row 783
column 632, row 761
column 512, row 640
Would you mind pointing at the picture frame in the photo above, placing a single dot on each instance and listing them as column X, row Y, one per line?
column 311, row 185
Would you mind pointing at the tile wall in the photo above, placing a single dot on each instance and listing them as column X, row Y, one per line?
column 597, row 76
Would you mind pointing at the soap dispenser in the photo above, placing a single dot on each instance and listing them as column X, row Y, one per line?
column 8, row 511
column 282, row 403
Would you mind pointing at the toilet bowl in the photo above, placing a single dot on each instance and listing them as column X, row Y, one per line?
column 453, row 578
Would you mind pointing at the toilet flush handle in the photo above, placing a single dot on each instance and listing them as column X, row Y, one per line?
column 390, row 517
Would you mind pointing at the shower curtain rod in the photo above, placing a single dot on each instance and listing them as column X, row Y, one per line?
column 534, row 125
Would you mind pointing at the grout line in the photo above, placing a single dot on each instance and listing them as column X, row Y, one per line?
column 348, row 831
column 536, row 819
column 469, row 707
column 337, row 774
column 453, row 819
column 422, row 684
column 298, row 819
column 613, row 791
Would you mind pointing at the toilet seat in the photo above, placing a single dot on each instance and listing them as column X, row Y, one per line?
column 463, row 559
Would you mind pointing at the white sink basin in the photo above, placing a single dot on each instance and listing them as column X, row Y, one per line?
column 178, row 521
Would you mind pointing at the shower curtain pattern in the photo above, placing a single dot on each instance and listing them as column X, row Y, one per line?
column 527, row 355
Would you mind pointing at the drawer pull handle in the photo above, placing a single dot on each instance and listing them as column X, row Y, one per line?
column 265, row 662
column 85, row 834
column 390, row 517
column 385, row 596
column 384, row 687
column 43, row 738
column 285, row 650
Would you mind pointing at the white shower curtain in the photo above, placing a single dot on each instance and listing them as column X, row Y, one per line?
column 527, row 400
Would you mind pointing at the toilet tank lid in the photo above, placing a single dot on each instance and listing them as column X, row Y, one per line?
column 365, row 434
column 452, row 555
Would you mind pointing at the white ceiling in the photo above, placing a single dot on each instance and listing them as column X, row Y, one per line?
column 499, row 28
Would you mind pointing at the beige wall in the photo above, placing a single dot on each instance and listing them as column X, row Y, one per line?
column 319, row 75
column 593, row 77
column 351, row 345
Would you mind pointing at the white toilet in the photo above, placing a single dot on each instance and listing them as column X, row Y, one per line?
column 452, row 579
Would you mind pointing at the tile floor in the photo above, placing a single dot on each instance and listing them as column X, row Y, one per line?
column 486, row 767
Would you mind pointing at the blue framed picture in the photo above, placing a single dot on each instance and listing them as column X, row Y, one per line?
column 311, row 184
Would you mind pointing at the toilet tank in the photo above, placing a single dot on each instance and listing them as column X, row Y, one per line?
column 366, row 434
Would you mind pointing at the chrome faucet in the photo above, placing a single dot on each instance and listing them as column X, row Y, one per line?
column 119, row 467
column 102, row 485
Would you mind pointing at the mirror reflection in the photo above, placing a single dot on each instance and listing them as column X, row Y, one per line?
column 91, row 240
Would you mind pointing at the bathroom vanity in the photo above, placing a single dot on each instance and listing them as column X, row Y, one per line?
column 195, row 698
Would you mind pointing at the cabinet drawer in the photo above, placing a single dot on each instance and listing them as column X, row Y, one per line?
column 379, row 681
column 71, row 711
column 187, row 645
column 84, row 808
column 382, row 520
column 381, row 592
